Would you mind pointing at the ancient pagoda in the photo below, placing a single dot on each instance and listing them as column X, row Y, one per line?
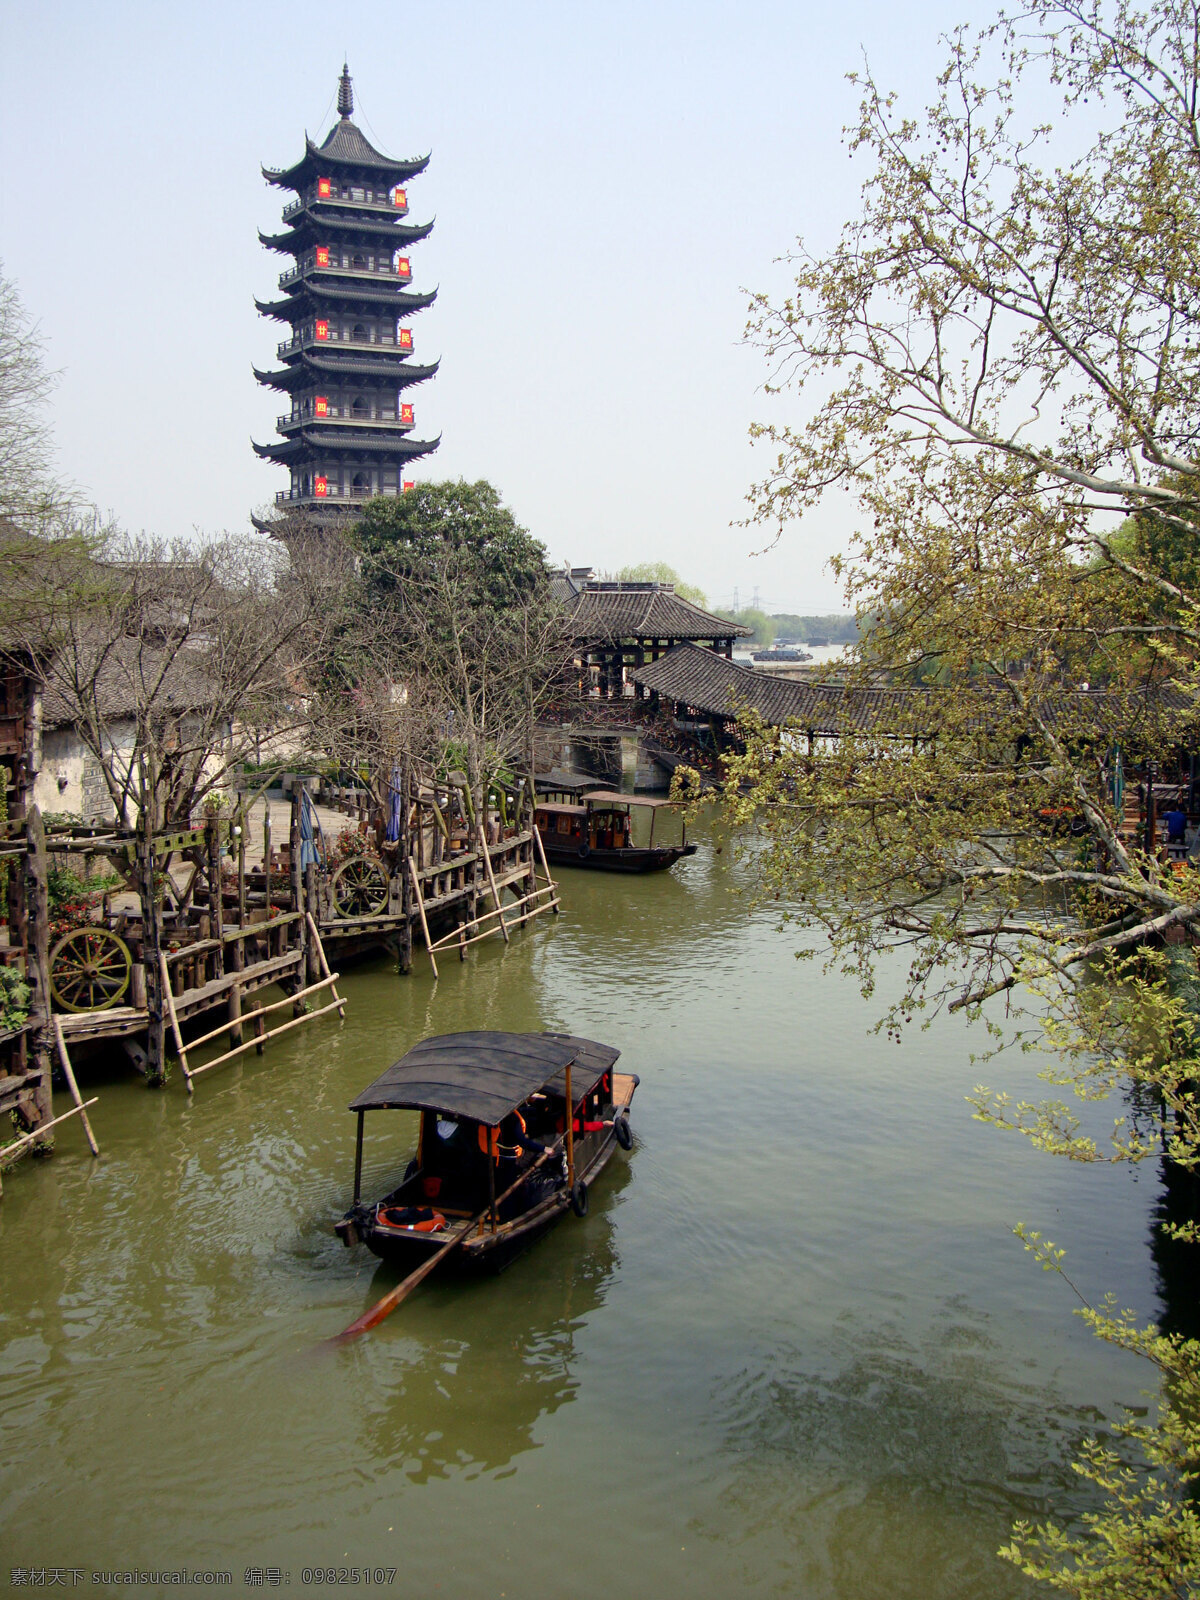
column 348, row 365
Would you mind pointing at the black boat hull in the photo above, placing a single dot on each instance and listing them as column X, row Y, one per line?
column 630, row 859
column 486, row 1253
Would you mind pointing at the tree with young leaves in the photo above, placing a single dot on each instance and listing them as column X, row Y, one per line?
column 1005, row 346
column 198, row 652
column 472, row 641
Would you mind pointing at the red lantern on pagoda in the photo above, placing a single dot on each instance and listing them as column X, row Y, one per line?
column 400, row 200
column 320, row 487
column 406, row 415
column 321, row 406
column 404, row 339
column 408, row 484
column 322, row 188
column 322, row 255
column 322, row 330
column 403, row 269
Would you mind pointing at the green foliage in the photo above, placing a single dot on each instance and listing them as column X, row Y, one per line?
column 1001, row 344
column 14, row 998
column 660, row 572
column 408, row 535
column 764, row 626
column 1144, row 1544
column 838, row 628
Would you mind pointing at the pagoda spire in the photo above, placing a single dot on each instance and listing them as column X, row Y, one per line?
column 345, row 92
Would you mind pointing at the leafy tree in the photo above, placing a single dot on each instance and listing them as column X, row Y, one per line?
column 1004, row 345
column 660, row 572
column 763, row 625
column 465, row 639
column 838, row 628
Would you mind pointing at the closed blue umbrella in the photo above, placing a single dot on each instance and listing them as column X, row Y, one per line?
column 310, row 830
column 393, row 823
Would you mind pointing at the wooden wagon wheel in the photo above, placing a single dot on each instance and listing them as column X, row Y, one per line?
column 360, row 887
column 89, row 969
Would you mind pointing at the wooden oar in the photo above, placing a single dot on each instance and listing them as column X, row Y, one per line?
column 384, row 1308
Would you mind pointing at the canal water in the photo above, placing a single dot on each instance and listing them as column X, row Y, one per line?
column 793, row 1349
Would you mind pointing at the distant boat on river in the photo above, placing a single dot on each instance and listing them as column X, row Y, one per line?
column 766, row 657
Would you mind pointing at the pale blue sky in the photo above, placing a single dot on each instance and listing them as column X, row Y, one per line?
column 607, row 181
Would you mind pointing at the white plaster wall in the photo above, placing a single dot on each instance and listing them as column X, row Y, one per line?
column 68, row 775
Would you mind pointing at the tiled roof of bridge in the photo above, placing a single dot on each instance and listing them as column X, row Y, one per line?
column 706, row 681
column 611, row 611
column 710, row 684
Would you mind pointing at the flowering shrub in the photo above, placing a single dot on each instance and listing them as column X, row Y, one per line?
column 14, row 998
column 73, row 901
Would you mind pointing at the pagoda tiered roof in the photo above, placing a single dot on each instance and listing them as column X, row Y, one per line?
column 398, row 372
column 356, row 439
column 336, row 296
column 310, row 229
column 344, row 147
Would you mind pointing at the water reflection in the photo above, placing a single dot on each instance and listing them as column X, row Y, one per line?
column 460, row 1387
column 1175, row 1263
column 898, row 1471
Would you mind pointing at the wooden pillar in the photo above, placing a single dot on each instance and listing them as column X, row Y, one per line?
column 235, row 1015
column 297, row 895
column 407, row 909
column 216, row 896
column 313, row 966
column 37, row 963
column 240, row 824
column 156, row 1041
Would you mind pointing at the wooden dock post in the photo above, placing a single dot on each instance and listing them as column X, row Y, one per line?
column 156, row 972
column 235, row 1015
column 36, row 911
column 311, row 904
column 416, row 883
column 216, row 894
column 491, row 877
column 64, row 1062
column 298, row 1008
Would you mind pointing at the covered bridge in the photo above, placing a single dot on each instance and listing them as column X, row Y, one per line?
column 701, row 685
column 619, row 626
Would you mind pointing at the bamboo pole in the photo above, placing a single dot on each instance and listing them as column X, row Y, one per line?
column 272, row 1033
column 32, row 1138
column 276, row 1005
column 312, row 928
column 169, row 998
column 487, row 862
column 490, row 916
column 68, row 1073
column 412, row 866
column 541, row 849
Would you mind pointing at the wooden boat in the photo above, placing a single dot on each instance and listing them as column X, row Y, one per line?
column 598, row 832
column 495, row 1144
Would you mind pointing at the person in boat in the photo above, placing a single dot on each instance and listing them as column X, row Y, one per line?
column 517, row 1150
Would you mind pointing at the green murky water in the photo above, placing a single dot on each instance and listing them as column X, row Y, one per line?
column 792, row 1350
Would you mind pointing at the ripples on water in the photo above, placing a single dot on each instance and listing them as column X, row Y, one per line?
column 792, row 1350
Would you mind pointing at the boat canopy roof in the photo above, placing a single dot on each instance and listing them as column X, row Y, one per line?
column 483, row 1076
column 610, row 797
column 561, row 783
column 557, row 808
